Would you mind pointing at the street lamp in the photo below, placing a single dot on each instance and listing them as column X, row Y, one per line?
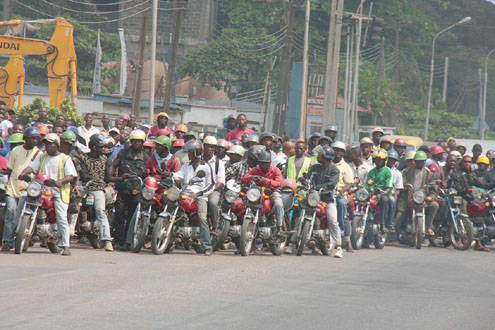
column 482, row 120
column 432, row 65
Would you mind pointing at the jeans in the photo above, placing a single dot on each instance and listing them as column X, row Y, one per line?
column 213, row 201
column 278, row 207
column 384, row 206
column 392, row 209
column 333, row 225
column 204, row 229
column 342, row 217
column 62, row 222
column 101, row 215
column 10, row 221
column 124, row 209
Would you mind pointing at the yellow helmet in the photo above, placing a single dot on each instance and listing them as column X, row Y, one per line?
column 483, row 160
column 137, row 134
column 380, row 153
column 162, row 114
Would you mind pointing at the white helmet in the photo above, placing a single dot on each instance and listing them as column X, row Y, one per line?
column 338, row 145
column 210, row 140
column 237, row 150
column 137, row 134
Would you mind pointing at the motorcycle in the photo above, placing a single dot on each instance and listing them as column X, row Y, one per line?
column 258, row 226
column 229, row 228
column 178, row 222
column 87, row 225
column 481, row 212
column 37, row 215
column 366, row 227
column 4, row 179
column 452, row 227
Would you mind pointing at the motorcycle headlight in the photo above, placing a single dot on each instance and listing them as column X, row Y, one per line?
column 313, row 199
column 419, row 197
column 253, row 195
column 230, row 196
column 173, row 193
column 457, row 200
column 362, row 195
column 34, row 189
column 147, row 193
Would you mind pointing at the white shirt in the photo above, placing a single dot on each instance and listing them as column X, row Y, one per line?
column 397, row 181
column 369, row 161
column 361, row 171
column 220, row 174
column 6, row 124
column 86, row 133
column 203, row 186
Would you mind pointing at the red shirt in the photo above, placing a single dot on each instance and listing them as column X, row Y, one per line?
column 173, row 165
column 273, row 178
column 237, row 134
column 154, row 130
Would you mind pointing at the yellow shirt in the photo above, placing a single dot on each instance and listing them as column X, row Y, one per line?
column 19, row 159
column 346, row 175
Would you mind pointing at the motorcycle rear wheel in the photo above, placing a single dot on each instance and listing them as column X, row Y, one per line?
column 247, row 237
column 303, row 238
column 161, row 236
column 223, row 231
column 419, row 235
column 466, row 239
column 357, row 236
column 21, row 239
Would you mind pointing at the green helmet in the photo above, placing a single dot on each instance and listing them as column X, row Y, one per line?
column 164, row 141
column 16, row 138
column 70, row 136
column 420, row 155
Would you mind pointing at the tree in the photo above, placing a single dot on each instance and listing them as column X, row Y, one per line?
column 30, row 111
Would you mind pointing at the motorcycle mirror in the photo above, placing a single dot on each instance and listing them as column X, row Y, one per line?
column 201, row 174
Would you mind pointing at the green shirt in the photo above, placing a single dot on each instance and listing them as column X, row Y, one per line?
column 382, row 178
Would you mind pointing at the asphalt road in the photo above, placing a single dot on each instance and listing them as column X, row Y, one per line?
column 395, row 288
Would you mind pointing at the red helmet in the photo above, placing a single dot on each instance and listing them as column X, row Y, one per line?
column 179, row 143
column 148, row 143
column 385, row 139
column 437, row 150
column 161, row 132
column 151, row 183
column 290, row 183
column 400, row 142
column 3, row 163
column 124, row 117
column 42, row 177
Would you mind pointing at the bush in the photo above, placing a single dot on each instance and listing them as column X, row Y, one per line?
column 67, row 109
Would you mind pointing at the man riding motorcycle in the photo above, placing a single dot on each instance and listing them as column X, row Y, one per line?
column 331, row 131
column 93, row 166
column 218, row 167
column 298, row 165
column 162, row 162
column 200, row 189
column 238, row 170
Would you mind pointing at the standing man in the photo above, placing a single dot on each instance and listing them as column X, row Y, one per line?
column 60, row 168
column 237, row 133
column 161, row 123
column 42, row 118
column 298, row 165
column 397, row 187
column 331, row 131
column 359, row 167
column 376, row 135
column 366, row 145
column 218, row 168
column 314, row 140
column 105, row 122
column 20, row 157
column 88, row 129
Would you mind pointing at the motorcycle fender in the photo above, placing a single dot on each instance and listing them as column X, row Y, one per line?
column 226, row 216
column 165, row 214
column 27, row 211
column 419, row 214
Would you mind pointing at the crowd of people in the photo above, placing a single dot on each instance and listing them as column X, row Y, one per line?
column 98, row 156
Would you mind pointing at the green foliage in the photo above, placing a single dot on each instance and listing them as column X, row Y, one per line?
column 67, row 109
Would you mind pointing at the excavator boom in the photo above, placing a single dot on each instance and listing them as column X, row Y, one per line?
column 25, row 46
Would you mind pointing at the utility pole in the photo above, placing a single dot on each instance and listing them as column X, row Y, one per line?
column 154, row 21
column 445, row 77
column 485, row 85
column 345, row 130
column 7, row 10
column 355, row 93
column 333, row 60
column 138, row 78
column 177, row 22
column 284, row 74
column 266, row 96
column 480, row 105
column 304, row 91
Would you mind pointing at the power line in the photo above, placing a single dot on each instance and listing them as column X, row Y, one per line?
column 117, row 19
column 95, row 12
column 101, row 4
column 33, row 9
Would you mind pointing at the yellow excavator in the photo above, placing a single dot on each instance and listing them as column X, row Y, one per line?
column 61, row 62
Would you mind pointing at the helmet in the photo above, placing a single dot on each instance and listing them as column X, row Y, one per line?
column 255, row 150
column 380, row 153
column 331, row 127
column 181, row 128
column 162, row 131
column 150, row 183
column 366, row 140
column 424, row 148
column 315, row 135
column 437, row 150
column 52, row 137
column 222, row 143
column 178, row 143
column 456, row 153
column 328, row 152
column 410, row 154
column 264, row 157
column 43, row 130
column 400, row 142
column 210, row 140
column 124, row 117
column 420, row 155
column 385, row 139
column 3, row 163
column 490, row 154
column 290, row 183
column 70, row 137
column 108, row 145
column 237, row 150
column 393, row 154
column 237, row 142
column 32, row 132
column 377, row 129
column 483, row 160
column 266, row 135
column 16, row 138
column 95, row 141
column 338, row 145
column 162, row 114
column 42, row 177
column 165, row 141
column 252, row 138
column 148, row 143
column 326, row 138
column 137, row 134
column 193, row 145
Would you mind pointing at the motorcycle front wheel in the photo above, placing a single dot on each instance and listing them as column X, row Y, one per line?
column 247, row 236
column 419, row 232
column 22, row 237
column 138, row 232
column 303, row 238
column 161, row 236
column 357, row 233
column 223, row 231
column 461, row 240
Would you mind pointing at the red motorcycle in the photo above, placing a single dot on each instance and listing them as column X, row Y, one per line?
column 481, row 212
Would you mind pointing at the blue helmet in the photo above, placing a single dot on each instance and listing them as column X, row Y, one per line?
column 393, row 154
column 32, row 132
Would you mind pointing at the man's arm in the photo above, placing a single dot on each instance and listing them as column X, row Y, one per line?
column 113, row 167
